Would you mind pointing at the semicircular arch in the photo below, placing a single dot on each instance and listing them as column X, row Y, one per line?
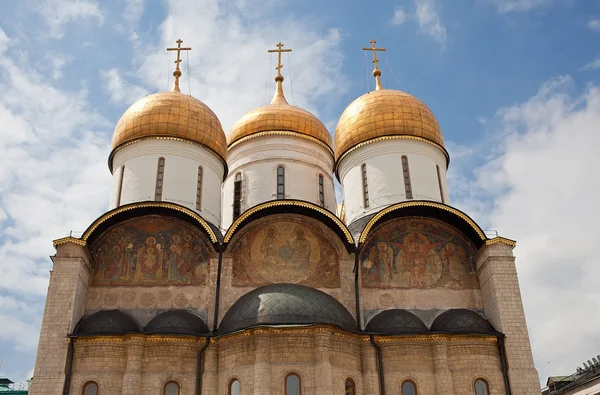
column 290, row 206
column 441, row 212
column 133, row 210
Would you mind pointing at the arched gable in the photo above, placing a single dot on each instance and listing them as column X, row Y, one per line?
column 295, row 207
column 286, row 247
column 415, row 252
column 134, row 210
column 441, row 212
column 149, row 247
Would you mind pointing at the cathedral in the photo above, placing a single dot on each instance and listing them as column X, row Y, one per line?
column 225, row 266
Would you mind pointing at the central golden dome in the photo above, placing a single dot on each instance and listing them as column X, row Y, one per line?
column 279, row 116
column 175, row 115
column 385, row 113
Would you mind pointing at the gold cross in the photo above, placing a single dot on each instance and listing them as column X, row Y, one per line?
column 177, row 72
column 376, row 72
column 279, row 51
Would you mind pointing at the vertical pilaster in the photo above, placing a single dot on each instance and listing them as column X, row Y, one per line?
column 443, row 376
column 504, row 309
column 369, row 369
column 262, row 368
column 210, row 378
column 324, row 376
column 65, row 304
column 132, row 379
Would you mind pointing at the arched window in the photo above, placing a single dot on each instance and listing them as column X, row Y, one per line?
column 365, row 185
column 409, row 388
column 440, row 183
column 481, row 387
column 350, row 387
column 90, row 388
column 120, row 185
column 321, row 191
column 171, row 388
column 160, row 175
column 292, row 385
column 235, row 387
column 237, row 196
column 406, row 173
column 199, row 188
column 280, row 182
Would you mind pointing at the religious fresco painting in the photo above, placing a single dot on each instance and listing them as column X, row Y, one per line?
column 150, row 251
column 417, row 253
column 287, row 251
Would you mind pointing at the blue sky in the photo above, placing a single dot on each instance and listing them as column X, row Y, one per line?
column 515, row 85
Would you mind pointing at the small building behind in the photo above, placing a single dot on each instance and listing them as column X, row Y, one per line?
column 9, row 387
column 585, row 381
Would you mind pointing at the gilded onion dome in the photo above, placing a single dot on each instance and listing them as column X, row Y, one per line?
column 279, row 116
column 171, row 114
column 384, row 113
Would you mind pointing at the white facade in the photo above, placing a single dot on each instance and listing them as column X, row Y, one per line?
column 257, row 160
column 591, row 388
column 383, row 160
column 138, row 165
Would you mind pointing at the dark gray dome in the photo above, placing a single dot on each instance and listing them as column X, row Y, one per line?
column 286, row 304
column 107, row 322
column 396, row 321
column 179, row 322
column 462, row 321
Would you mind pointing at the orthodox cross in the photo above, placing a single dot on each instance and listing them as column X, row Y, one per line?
column 279, row 65
column 177, row 72
column 376, row 72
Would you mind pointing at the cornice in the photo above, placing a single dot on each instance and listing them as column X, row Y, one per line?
column 287, row 202
column 399, row 206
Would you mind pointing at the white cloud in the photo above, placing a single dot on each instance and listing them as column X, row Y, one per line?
column 53, row 175
column 594, row 24
column 429, row 20
column 57, row 61
column 593, row 65
column 223, row 39
column 536, row 183
column 399, row 16
column 519, row 5
column 3, row 41
column 120, row 90
column 57, row 13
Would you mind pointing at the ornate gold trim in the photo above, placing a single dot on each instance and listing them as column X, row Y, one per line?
column 140, row 336
column 172, row 138
column 290, row 330
column 68, row 239
column 282, row 133
column 134, row 206
column 377, row 217
column 286, row 202
column 500, row 239
column 433, row 337
column 283, row 330
column 391, row 137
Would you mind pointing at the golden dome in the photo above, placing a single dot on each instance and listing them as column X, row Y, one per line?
column 385, row 112
column 175, row 115
column 279, row 116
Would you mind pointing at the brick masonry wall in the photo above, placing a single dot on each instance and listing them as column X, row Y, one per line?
column 64, row 307
column 504, row 309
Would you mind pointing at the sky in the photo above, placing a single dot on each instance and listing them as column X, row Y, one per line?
column 515, row 85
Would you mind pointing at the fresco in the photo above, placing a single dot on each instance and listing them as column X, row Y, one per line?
column 150, row 250
column 289, row 251
column 417, row 253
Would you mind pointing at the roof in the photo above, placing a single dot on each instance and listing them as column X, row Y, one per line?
column 286, row 304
